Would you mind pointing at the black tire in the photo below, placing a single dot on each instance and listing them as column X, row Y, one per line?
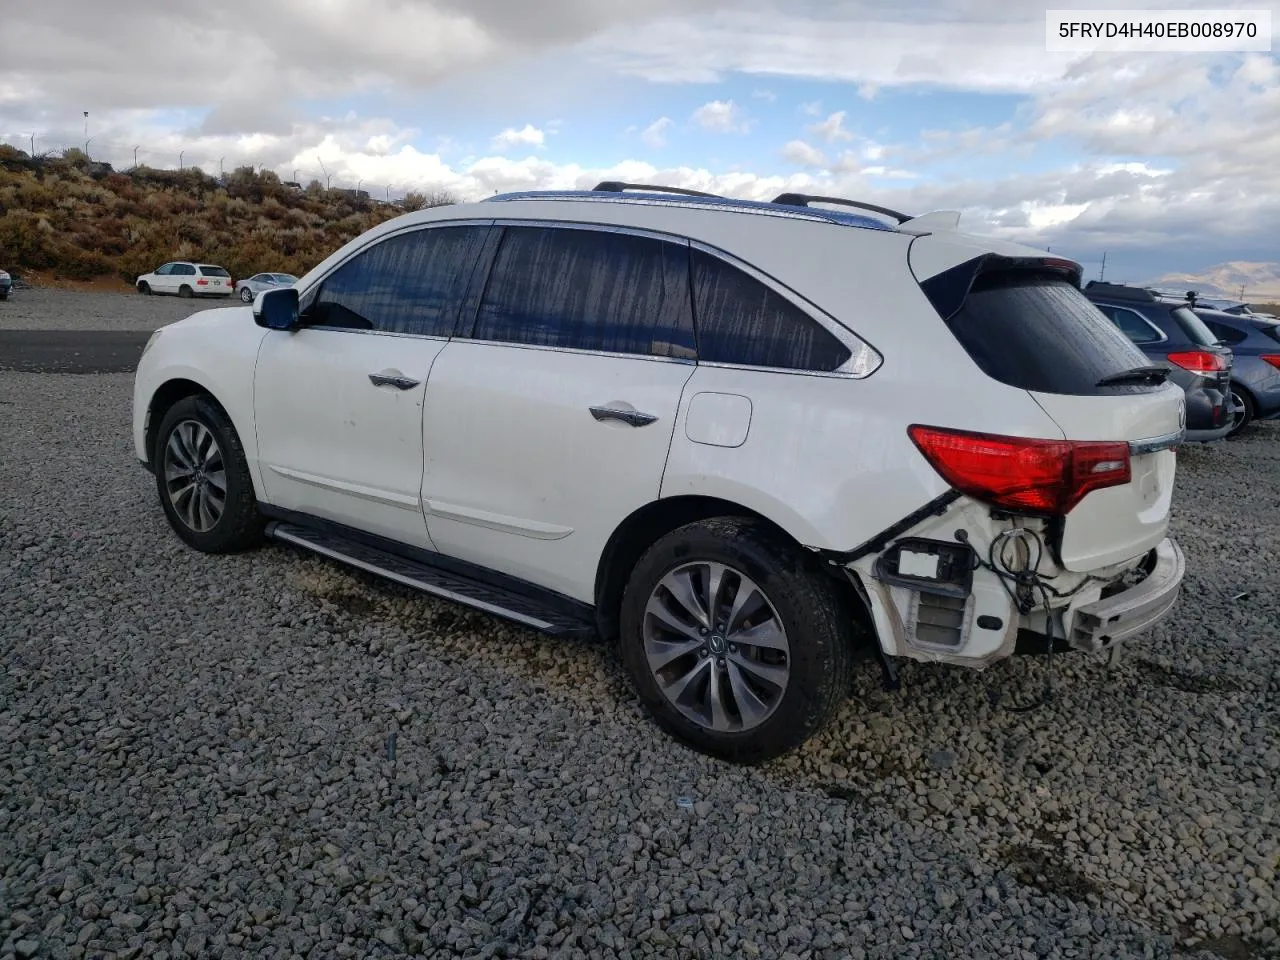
column 144, row 288
column 239, row 525
column 1246, row 416
column 818, row 626
column 246, row 295
column 186, row 292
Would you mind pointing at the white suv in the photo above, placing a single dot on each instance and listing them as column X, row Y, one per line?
column 187, row 279
column 741, row 440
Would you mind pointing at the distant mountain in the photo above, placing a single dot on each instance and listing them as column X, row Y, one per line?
column 1261, row 281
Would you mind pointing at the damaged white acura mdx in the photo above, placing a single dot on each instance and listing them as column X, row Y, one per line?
column 740, row 440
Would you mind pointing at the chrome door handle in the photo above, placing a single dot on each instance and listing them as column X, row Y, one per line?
column 633, row 417
column 385, row 380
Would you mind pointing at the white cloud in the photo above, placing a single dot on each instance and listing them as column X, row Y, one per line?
column 868, row 91
column 768, row 96
column 655, row 134
column 804, row 155
column 832, row 128
column 721, row 116
column 813, row 108
column 529, row 136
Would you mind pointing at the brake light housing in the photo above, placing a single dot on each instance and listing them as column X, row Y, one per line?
column 1201, row 362
column 1021, row 474
column 1273, row 359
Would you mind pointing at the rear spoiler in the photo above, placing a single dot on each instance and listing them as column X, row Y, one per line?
column 931, row 222
column 947, row 291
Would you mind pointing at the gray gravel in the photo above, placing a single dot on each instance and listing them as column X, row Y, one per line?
column 195, row 760
column 49, row 309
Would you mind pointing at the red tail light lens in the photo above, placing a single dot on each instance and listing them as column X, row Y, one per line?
column 1020, row 474
column 202, row 283
column 1199, row 361
column 1273, row 359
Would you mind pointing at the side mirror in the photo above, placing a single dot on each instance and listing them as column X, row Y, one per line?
column 277, row 309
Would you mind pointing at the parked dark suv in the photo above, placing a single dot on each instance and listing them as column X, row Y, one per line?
column 1255, row 373
column 1174, row 338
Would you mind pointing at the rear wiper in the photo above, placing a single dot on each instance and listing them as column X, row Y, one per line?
column 1136, row 375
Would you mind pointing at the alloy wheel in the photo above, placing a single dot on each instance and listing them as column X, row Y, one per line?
column 195, row 476
column 716, row 646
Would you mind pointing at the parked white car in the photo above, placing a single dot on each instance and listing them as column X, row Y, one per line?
column 742, row 440
column 250, row 287
column 187, row 279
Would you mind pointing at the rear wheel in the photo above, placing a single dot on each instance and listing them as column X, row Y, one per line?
column 246, row 295
column 734, row 642
column 1243, row 410
column 203, row 479
column 144, row 288
column 185, row 291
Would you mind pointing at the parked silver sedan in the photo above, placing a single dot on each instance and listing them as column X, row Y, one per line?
column 248, row 289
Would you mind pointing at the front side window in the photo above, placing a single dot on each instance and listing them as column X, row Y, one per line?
column 588, row 290
column 740, row 320
column 408, row 283
column 1132, row 325
column 164, row 271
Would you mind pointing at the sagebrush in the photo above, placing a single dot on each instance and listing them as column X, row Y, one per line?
column 82, row 220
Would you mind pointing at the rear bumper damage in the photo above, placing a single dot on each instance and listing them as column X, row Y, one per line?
column 1105, row 622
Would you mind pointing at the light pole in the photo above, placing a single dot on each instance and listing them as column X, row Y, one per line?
column 86, row 133
column 358, row 182
column 33, row 145
column 135, row 158
column 86, row 148
column 180, row 155
column 327, row 178
column 220, row 159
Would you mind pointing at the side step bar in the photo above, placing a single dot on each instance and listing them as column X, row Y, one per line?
column 419, row 575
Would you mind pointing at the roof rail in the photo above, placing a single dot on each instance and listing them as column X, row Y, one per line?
column 804, row 199
column 617, row 186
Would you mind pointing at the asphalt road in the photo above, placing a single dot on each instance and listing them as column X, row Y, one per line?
column 71, row 351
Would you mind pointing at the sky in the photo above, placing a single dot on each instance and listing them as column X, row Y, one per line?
column 1166, row 162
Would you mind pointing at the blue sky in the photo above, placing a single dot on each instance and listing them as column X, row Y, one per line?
column 1164, row 160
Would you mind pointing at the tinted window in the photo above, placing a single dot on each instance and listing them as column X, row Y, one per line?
column 1040, row 333
column 1131, row 324
column 1228, row 335
column 163, row 271
column 1193, row 327
column 588, row 290
column 185, row 270
column 740, row 320
column 409, row 283
column 211, row 271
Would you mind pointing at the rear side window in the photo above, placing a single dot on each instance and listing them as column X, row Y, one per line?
column 1131, row 324
column 588, row 290
column 1225, row 334
column 1038, row 332
column 1193, row 327
column 210, row 271
column 409, row 283
column 741, row 321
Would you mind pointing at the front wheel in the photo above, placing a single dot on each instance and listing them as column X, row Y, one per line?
column 203, row 478
column 734, row 642
column 246, row 295
column 144, row 288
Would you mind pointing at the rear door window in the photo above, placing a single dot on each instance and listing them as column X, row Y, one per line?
column 409, row 283
column 742, row 321
column 1193, row 327
column 583, row 289
column 1038, row 332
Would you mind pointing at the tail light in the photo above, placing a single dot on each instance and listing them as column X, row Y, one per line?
column 1201, row 362
column 202, row 283
column 1273, row 359
column 1020, row 474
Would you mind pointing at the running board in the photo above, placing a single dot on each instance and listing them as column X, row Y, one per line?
column 430, row 579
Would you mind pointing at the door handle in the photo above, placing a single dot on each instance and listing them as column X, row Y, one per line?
column 389, row 380
column 634, row 417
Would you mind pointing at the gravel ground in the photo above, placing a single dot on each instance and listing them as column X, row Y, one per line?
column 196, row 760
column 47, row 309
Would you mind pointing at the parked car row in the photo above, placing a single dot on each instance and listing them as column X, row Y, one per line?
column 1227, row 362
column 193, row 279
column 6, row 284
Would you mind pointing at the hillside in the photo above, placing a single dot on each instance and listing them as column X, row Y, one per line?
column 1261, row 281
column 67, row 218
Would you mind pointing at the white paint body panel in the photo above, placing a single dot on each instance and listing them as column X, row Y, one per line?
column 332, row 443
column 520, row 477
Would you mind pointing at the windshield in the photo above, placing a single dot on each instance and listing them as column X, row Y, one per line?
column 1194, row 327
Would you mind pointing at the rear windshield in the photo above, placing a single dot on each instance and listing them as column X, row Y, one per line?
column 209, row 271
column 1194, row 327
column 1040, row 333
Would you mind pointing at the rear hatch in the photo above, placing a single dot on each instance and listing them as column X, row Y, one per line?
column 1024, row 321
column 1208, row 357
column 214, row 279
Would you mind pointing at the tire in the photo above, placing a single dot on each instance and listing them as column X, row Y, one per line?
column 144, row 288
column 190, row 423
column 246, row 295
column 816, row 631
column 1247, row 413
column 186, row 292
